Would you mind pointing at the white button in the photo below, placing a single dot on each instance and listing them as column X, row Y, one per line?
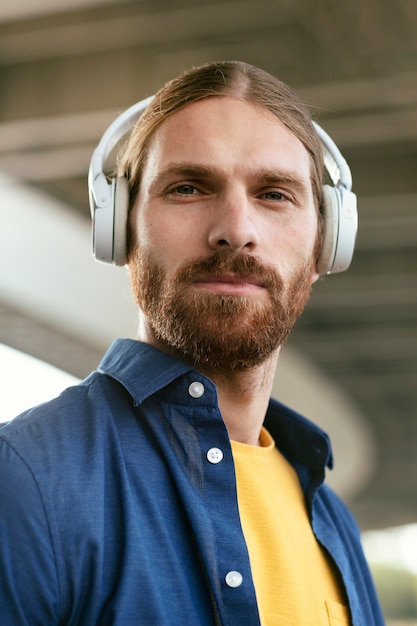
column 196, row 389
column 215, row 455
column 233, row 579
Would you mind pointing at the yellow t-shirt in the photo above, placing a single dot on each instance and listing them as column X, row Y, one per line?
column 296, row 582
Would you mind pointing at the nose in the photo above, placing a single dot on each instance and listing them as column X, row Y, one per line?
column 234, row 225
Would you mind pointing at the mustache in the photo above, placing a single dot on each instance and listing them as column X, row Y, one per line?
column 225, row 262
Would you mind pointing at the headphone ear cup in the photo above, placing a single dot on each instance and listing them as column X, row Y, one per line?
column 330, row 211
column 121, row 211
column 340, row 227
column 103, row 219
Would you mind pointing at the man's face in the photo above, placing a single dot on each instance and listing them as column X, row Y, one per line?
column 224, row 231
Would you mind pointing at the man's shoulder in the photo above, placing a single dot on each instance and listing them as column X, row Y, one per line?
column 48, row 411
column 60, row 422
column 62, row 449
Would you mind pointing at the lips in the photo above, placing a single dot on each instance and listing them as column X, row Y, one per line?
column 229, row 284
column 229, row 273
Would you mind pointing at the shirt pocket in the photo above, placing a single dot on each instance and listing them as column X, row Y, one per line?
column 338, row 614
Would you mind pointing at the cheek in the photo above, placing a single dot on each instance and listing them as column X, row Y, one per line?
column 155, row 239
column 307, row 233
column 145, row 228
column 294, row 246
column 172, row 237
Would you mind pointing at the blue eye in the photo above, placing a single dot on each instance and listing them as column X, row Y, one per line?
column 186, row 190
column 274, row 195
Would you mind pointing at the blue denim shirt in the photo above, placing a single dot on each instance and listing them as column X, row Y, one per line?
column 119, row 506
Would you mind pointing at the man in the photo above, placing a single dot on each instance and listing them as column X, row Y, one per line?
column 167, row 488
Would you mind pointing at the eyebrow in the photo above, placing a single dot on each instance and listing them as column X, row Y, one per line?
column 263, row 175
column 273, row 177
column 185, row 170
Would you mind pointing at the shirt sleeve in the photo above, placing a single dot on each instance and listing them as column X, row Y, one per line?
column 28, row 573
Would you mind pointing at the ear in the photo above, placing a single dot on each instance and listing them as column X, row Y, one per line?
column 315, row 277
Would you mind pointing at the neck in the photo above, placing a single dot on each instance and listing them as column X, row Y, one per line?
column 243, row 399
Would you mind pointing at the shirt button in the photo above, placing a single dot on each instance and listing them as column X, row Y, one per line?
column 215, row 455
column 233, row 579
column 196, row 389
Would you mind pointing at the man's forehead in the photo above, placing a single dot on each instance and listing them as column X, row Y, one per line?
column 192, row 145
column 217, row 117
column 197, row 111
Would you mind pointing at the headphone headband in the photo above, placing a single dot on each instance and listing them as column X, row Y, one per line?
column 97, row 181
column 109, row 200
column 334, row 161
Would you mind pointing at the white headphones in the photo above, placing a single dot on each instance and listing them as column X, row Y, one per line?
column 109, row 200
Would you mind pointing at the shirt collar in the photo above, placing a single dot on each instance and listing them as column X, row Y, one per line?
column 298, row 438
column 140, row 368
column 144, row 370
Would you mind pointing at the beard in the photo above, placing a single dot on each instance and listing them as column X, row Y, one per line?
column 215, row 331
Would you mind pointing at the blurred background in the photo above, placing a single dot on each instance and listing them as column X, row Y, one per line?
column 67, row 68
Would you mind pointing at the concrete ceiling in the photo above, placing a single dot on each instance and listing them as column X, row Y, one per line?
column 64, row 75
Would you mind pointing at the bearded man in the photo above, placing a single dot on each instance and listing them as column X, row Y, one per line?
column 168, row 487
